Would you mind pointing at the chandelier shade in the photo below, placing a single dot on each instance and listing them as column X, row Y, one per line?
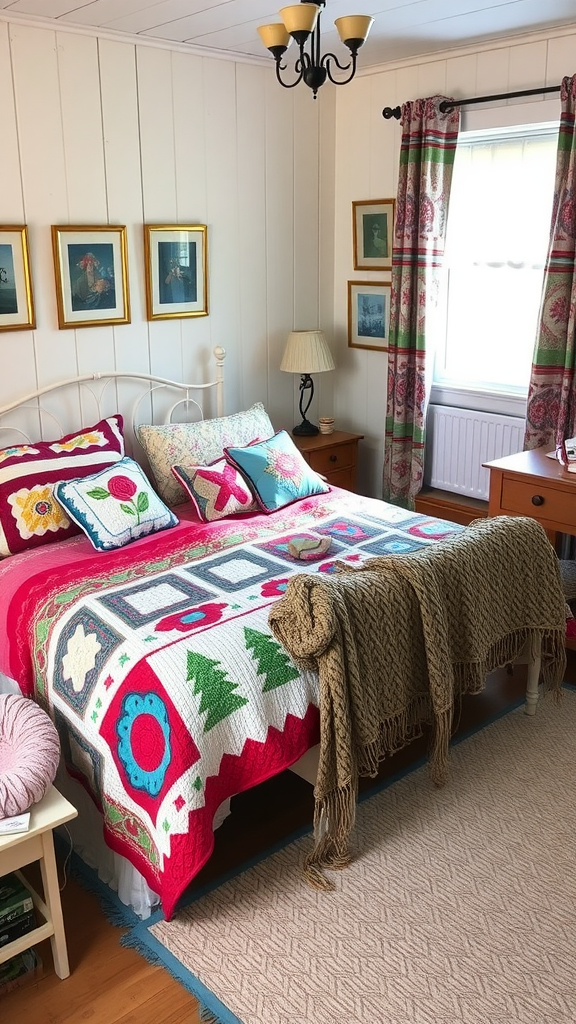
column 301, row 22
column 300, row 17
column 274, row 35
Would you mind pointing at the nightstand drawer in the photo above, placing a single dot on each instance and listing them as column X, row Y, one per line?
column 551, row 503
column 345, row 478
column 340, row 457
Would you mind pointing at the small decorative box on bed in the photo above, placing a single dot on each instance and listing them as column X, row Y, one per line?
column 155, row 656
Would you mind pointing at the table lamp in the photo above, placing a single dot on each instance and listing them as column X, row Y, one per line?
column 306, row 352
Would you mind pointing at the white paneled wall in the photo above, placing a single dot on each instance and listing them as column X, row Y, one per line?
column 97, row 131
column 366, row 159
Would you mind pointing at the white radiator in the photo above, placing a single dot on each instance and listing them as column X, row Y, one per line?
column 458, row 441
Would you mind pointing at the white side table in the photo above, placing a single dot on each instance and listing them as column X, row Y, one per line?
column 38, row 844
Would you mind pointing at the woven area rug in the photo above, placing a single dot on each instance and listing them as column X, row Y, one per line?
column 460, row 907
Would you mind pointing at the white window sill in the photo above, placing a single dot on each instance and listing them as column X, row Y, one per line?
column 502, row 403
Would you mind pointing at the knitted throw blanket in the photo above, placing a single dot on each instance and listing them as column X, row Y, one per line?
column 398, row 640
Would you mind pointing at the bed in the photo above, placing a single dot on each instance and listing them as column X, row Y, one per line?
column 156, row 660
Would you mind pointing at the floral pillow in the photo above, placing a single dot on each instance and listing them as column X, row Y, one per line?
column 276, row 471
column 185, row 444
column 29, row 515
column 217, row 490
column 115, row 506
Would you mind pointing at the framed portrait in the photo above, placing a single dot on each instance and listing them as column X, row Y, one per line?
column 373, row 225
column 176, row 270
column 368, row 315
column 16, row 301
column 91, row 271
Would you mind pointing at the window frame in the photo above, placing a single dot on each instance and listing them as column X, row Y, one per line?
column 482, row 121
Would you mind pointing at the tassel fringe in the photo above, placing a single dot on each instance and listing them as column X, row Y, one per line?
column 336, row 811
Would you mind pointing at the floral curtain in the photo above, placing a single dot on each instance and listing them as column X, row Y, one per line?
column 426, row 160
column 551, row 408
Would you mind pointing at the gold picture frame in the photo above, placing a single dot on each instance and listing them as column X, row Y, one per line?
column 373, row 230
column 16, row 298
column 369, row 314
column 91, row 270
column 176, row 257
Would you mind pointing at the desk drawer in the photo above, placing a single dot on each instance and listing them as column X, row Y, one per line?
column 555, row 505
column 333, row 458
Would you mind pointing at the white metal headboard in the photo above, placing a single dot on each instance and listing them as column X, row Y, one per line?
column 25, row 417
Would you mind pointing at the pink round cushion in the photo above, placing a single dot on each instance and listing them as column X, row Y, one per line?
column 29, row 754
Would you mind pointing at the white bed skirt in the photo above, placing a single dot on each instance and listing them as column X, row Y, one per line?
column 88, row 841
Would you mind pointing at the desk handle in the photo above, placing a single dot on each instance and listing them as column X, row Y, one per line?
column 537, row 499
column 333, row 458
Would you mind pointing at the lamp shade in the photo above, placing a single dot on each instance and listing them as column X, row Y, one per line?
column 307, row 352
column 354, row 26
column 274, row 35
column 300, row 17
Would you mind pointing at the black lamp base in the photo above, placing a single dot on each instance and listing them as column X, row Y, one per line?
column 306, row 429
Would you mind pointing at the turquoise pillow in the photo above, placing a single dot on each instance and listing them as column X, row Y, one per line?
column 115, row 506
column 276, row 472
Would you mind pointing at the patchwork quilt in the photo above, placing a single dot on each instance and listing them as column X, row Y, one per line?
column 156, row 662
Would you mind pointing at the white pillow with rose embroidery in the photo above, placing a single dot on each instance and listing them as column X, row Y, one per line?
column 115, row 506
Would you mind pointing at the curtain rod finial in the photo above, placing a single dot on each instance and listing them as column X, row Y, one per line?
column 389, row 112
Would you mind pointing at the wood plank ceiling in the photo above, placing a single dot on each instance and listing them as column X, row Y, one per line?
column 402, row 28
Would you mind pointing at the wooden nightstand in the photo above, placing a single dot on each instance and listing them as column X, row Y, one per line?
column 333, row 455
column 16, row 851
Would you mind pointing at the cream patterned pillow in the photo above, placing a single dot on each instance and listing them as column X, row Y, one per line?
column 190, row 444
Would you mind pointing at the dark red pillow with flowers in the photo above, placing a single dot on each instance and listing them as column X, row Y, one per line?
column 29, row 514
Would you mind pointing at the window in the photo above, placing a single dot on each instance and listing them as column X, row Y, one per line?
column 496, row 245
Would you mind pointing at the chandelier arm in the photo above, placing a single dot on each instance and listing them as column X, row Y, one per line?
column 300, row 66
column 339, row 81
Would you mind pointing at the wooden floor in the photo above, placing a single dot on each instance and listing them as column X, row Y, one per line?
column 113, row 985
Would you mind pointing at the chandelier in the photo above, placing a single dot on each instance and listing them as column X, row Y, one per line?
column 301, row 22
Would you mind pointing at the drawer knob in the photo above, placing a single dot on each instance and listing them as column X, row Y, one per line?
column 333, row 458
column 537, row 499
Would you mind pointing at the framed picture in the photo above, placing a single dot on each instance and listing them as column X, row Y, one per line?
column 91, row 275
column 176, row 270
column 373, row 224
column 368, row 315
column 16, row 302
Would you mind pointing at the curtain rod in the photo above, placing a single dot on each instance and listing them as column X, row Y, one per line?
column 446, row 107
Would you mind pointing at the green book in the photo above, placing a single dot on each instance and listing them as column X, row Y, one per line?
column 15, row 899
column 15, row 929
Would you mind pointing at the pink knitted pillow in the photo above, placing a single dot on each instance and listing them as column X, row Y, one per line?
column 29, row 754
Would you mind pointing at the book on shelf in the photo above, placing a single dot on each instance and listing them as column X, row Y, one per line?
column 15, row 899
column 16, row 928
column 25, row 966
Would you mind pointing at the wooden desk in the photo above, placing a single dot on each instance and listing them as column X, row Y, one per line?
column 530, row 484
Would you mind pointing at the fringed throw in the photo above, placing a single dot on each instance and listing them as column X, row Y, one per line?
column 398, row 640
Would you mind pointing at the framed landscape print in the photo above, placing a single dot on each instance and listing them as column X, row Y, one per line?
column 368, row 315
column 16, row 301
column 91, row 271
column 373, row 225
column 176, row 270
